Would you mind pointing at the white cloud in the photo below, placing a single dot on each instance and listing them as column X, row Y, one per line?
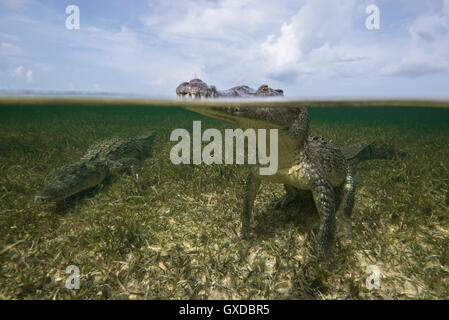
column 18, row 71
column 227, row 20
column 218, row 40
column 232, row 42
column 302, row 46
column 316, row 30
column 217, row 20
column 131, row 52
column 429, row 51
column 29, row 76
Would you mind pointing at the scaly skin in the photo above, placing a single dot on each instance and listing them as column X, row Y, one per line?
column 101, row 160
column 198, row 89
column 319, row 167
column 305, row 163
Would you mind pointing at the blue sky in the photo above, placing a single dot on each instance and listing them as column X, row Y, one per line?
column 309, row 48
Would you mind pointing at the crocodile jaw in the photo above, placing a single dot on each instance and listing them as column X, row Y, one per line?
column 72, row 179
column 47, row 196
column 260, row 118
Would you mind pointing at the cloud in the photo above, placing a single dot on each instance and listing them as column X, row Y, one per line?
column 230, row 20
column 29, row 76
column 219, row 40
column 303, row 46
column 227, row 20
column 429, row 51
column 317, row 28
column 130, row 53
column 18, row 71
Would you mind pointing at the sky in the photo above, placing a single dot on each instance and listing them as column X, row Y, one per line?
column 308, row 48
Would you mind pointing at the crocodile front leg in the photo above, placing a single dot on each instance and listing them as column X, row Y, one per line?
column 324, row 197
column 252, row 187
column 344, row 211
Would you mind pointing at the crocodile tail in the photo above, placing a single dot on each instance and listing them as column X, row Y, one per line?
column 369, row 151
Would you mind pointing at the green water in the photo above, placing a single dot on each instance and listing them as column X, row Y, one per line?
column 179, row 224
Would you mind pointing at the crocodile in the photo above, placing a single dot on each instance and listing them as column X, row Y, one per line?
column 198, row 89
column 306, row 163
column 102, row 159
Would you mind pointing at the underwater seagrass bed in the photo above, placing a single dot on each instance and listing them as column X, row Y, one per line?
column 173, row 234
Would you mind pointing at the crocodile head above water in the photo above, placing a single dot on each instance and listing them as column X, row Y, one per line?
column 198, row 89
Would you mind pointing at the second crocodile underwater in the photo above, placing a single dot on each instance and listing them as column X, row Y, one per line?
column 101, row 160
